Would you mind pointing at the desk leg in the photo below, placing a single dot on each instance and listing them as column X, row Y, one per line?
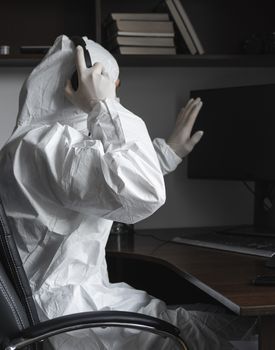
column 267, row 332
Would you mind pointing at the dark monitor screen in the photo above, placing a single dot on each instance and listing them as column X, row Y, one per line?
column 239, row 134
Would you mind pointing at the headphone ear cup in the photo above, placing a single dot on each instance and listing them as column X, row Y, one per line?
column 87, row 57
column 74, row 80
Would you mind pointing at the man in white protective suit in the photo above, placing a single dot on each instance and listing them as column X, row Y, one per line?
column 76, row 162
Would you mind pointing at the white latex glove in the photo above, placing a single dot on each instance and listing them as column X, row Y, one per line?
column 94, row 84
column 181, row 140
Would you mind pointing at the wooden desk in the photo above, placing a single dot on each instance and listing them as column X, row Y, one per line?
column 224, row 276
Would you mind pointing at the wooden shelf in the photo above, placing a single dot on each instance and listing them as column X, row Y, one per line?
column 161, row 61
column 197, row 61
column 20, row 60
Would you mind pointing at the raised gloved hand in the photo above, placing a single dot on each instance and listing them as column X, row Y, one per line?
column 94, row 84
column 181, row 140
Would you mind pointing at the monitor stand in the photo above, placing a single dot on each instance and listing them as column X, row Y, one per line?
column 264, row 213
column 264, row 216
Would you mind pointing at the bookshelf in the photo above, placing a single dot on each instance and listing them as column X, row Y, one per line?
column 39, row 23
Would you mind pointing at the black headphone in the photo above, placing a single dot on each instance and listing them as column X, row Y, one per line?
column 78, row 40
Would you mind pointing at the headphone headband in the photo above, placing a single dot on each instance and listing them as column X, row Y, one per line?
column 78, row 40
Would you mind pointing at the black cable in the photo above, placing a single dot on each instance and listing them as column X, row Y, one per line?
column 163, row 241
column 159, row 246
column 152, row 236
column 250, row 189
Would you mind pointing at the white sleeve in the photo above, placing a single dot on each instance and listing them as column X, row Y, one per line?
column 168, row 159
column 114, row 174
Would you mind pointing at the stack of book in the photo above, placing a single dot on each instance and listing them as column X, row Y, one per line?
column 140, row 34
column 185, row 27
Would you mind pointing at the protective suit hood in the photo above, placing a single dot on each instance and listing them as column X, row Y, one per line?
column 42, row 99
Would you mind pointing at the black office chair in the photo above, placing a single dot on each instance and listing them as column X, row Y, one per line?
column 19, row 323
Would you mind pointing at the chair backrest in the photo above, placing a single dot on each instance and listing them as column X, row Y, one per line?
column 17, row 308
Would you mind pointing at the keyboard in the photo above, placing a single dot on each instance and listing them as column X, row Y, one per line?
column 232, row 242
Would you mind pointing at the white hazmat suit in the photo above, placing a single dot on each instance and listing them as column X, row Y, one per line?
column 65, row 176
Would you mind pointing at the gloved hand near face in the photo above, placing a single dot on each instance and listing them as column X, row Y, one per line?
column 94, row 84
column 181, row 140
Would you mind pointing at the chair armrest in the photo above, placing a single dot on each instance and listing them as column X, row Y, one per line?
column 94, row 319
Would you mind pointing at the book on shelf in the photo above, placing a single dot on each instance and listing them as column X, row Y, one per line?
column 140, row 28
column 140, row 50
column 140, row 34
column 137, row 17
column 181, row 27
column 189, row 26
column 140, row 41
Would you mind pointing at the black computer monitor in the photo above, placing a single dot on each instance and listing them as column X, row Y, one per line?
column 239, row 141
